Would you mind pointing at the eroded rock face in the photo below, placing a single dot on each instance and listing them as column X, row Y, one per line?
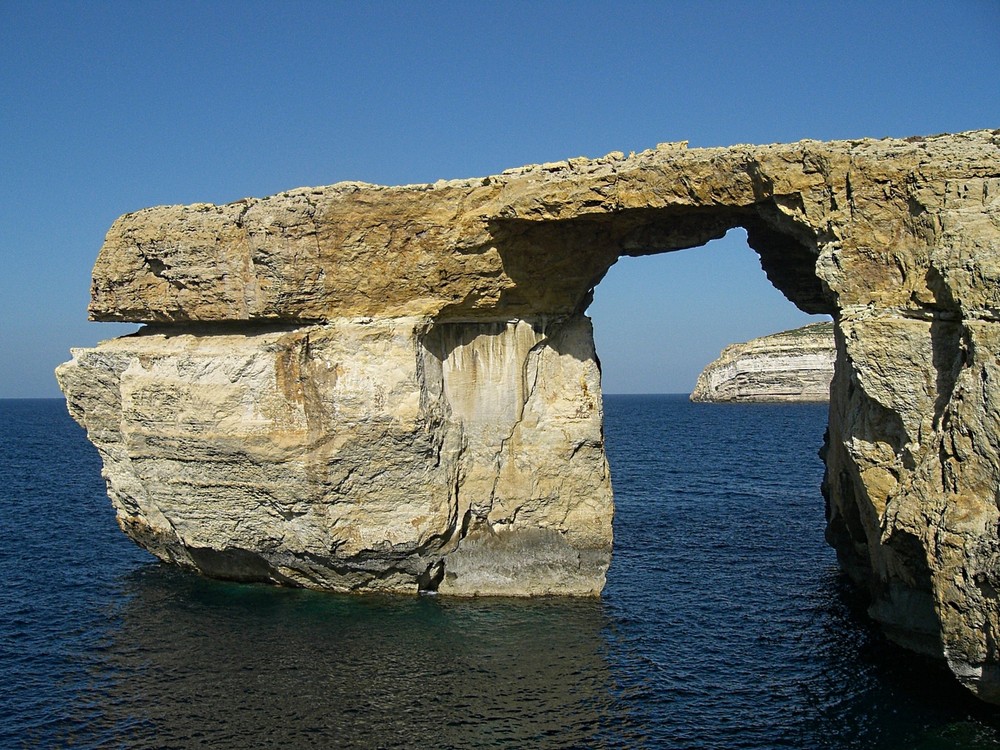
column 790, row 366
column 358, row 454
column 361, row 387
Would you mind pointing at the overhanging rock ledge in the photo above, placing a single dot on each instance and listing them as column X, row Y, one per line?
column 358, row 387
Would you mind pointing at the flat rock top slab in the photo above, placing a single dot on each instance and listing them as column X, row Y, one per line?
column 537, row 239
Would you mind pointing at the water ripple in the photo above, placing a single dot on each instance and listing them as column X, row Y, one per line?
column 725, row 623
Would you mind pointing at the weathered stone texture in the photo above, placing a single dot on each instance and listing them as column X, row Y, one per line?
column 913, row 482
column 358, row 454
column 427, row 411
column 790, row 366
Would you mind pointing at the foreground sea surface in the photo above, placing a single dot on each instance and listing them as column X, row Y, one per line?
column 725, row 622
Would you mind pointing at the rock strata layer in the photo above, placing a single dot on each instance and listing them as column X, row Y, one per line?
column 358, row 454
column 358, row 387
column 790, row 366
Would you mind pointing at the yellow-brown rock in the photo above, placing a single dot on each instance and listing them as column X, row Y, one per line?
column 358, row 454
column 363, row 387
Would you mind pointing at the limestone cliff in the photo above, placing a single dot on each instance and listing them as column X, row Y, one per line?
column 358, row 454
column 792, row 365
column 394, row 388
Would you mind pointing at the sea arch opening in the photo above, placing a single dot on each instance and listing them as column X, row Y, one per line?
column 558, row 262
column 660, row 319
column 719, row 521
column 685, row 307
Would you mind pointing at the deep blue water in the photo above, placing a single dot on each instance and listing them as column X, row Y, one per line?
column 725, row 623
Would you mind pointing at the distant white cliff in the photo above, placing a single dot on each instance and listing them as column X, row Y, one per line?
column 792, row 365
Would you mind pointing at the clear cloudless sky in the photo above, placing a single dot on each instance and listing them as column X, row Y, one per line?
column 107, row 107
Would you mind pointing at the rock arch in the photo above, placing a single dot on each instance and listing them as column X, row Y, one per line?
column 359, row 387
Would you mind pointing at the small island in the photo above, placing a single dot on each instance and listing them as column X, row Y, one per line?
column 794, row 365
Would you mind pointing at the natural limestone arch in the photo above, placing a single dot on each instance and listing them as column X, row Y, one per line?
column 367, row 388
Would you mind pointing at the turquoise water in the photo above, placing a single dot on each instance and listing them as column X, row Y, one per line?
column 725, row 623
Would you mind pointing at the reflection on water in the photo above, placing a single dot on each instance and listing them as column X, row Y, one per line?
column 201, row 662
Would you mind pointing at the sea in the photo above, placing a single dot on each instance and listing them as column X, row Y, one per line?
column 725, row 622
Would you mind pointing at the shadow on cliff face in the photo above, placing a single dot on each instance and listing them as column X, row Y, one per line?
column 443, row 339
column 556, row 264
column 947, row 341
column 904, row 603
column 886, row 562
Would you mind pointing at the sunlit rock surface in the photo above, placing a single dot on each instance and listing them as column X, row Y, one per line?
column 789, row 366
column 393, row 388
column 358, row 454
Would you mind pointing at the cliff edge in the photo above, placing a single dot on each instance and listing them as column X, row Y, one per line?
column 794, row 365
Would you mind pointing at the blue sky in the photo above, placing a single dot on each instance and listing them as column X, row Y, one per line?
column 109, row 107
